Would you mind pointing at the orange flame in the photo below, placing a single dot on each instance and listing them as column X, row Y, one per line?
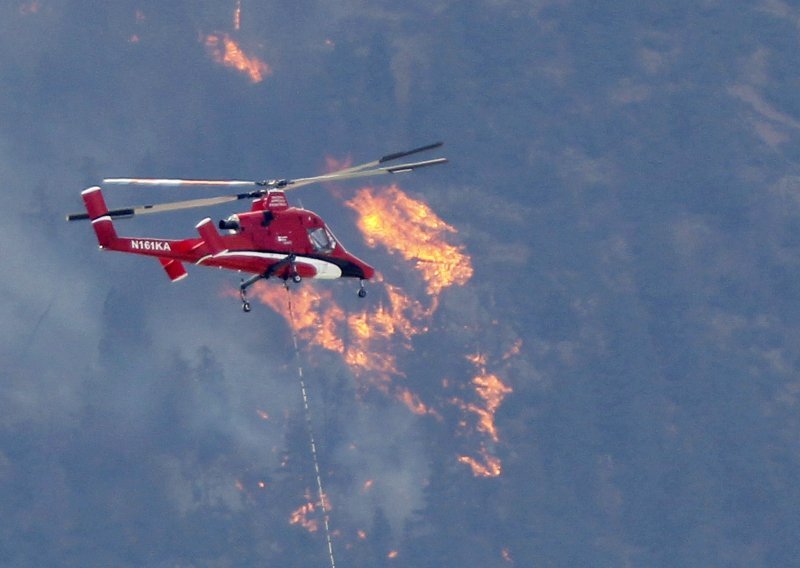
column 369, row 339
column 224, row 50
column 317, row 317
column 319, row 320
column 410, row 228
column 300, row 517
column 490, row 467
column 418, row 235
column 491, row 390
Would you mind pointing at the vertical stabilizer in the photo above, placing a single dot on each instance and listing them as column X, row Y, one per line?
column 98, row 212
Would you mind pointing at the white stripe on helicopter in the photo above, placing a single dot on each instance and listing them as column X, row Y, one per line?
column 325, row 270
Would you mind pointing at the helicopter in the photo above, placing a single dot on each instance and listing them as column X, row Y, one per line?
column 271, row 240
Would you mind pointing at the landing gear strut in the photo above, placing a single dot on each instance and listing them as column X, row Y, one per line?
column 362, row 292
column 243, row 290
column 245, row 284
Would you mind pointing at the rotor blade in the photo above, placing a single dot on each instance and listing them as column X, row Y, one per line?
column 159, row 182
column 350, row 173
column 389, row 158
column 178, row 182
column 164, row 207
column 398, row 155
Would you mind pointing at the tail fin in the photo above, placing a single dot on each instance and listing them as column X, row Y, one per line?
column 98, row 212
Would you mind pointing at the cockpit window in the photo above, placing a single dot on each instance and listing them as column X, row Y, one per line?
column 321, row 240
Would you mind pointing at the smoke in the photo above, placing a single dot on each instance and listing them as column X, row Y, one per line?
column 167, row 382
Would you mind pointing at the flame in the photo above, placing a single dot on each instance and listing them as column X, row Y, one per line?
column 413, row 402
column 300, row 517
column 410, row 228
column 370, row 339
column 491, row 391
column 317, row 317
column 224, row 50
column 489, row 467
column 237, row 15
column 392, row 554
column 506, row 554
column 373, row 334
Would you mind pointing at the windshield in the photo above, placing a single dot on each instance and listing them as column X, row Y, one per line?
column 321, row 240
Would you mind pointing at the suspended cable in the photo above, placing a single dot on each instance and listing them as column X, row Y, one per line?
column 321, row 492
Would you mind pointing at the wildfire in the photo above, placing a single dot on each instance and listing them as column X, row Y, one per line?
column 370, row 339
column 489, row 467
column 300, row 517
column 317, row 316
column 372, row 334
column 491, row 391
column 224, row 50
column 410, row 228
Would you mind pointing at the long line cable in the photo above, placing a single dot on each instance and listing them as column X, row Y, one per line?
column 321, row 492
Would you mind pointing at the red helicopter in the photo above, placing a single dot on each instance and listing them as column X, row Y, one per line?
column 273, row 239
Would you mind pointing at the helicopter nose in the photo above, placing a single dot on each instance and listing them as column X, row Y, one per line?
column 368, row 271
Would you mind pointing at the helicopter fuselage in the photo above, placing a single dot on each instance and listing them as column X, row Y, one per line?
column 272, row 239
